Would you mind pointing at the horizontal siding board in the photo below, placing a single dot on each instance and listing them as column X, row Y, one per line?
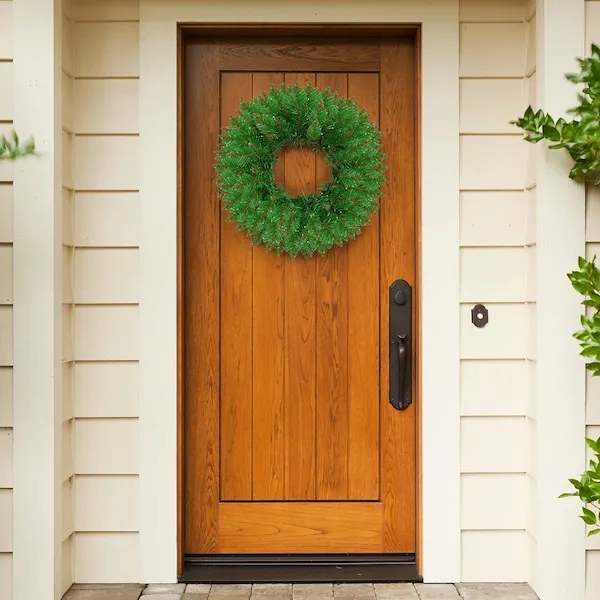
column 67, row 217
column 493, row 218
column 106, row 106
column 6, row 520
column 6, row 275
column 106, row 163
column 67, row 397
column 106, row 389
column 592, row 214
column 107, row 557
column 494, row 501
column 106, row 447
column 68, row 333
column 6, row 339
column 67, row 506
column 592, row 577
column 493, row 274
column 488, row 105
column 6, row 571
column 106, row 10
column 106, row 333
column 6, row 87
column 67, row 46
column 494, row 445
column 6, row 213
column 6, row 397
column 498, row 556
column 106, row 49
column 494, row 387
column 492, row 50
column 592, row 24
column 67, row 564
column 67, row 275
column 6, row 166
column 107, row 219
column 490, row 162
column 67, row 160
column 530, row 34
column 592, row 400
column 106, row 276
column 67, row 450
column 67, row 102
column 505, row 336
column 477, row 11
column 6, row 458
column 107, row 503
column 6, row 30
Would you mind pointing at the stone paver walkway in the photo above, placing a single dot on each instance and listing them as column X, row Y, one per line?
column 303, row 591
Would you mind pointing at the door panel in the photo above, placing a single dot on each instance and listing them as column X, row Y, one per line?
column 291, row 444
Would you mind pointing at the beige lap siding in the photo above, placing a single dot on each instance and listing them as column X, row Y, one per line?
column 106, row 238
column 496, row 267
column 6, row 298
column 67, row 497
column 592, row 236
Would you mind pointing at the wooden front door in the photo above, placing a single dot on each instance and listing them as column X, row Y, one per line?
column 290, row 443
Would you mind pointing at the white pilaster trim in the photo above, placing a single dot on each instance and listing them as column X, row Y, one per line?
column 440, row 469
column 37, row 302
column 560, row 449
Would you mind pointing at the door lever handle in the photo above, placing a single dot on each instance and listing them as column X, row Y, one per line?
column 400, row 332
column 402, row 360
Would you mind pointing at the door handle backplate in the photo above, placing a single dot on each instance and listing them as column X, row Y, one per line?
column 400, row 344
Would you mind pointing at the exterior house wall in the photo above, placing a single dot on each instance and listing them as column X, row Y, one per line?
column 105, row 290
column 592, row 237
column 497, row 269
column 6, row 298
column 67, row 449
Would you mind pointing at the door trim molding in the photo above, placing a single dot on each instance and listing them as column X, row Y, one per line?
column 438, row 266
column 305, row 568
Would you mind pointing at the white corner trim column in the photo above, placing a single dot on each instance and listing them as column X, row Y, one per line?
column 440, row 469
column 37, row 302
column 560, row 448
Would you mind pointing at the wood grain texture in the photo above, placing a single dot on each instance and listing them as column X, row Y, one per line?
column 236, row 329
column 363, row 331
column 201, row 303
column 268, row 417
column 300, row 527
column 308, row 55
column 300, row 377
column 332, row 352
column 285, row 360
column 398, row 453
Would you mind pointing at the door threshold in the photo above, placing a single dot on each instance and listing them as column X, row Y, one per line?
column 299, row 568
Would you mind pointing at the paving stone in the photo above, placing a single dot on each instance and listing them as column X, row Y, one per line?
column 104, row 592
column 230, row 589
column 496, row 591
column 187, row 596
column 395, row 591
column 272, row 591
column 197, row 588
column 354, row 591
column 164, row 588
column 439, row 591
column 312, row 591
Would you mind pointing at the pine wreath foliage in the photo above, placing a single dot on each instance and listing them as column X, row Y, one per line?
column 295, row 116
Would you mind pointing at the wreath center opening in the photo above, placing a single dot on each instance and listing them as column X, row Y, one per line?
column 300, row 170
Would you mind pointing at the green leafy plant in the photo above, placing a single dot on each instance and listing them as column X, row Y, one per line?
column 11, row 147
column 580, row 137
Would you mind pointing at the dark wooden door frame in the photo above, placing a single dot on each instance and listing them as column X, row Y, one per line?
column 313, row 568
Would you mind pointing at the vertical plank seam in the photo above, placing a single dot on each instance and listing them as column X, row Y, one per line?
column 252, row 344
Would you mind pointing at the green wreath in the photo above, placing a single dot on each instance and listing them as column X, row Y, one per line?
column 300, row 116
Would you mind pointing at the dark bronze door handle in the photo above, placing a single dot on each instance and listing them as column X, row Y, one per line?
column 400, row 329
